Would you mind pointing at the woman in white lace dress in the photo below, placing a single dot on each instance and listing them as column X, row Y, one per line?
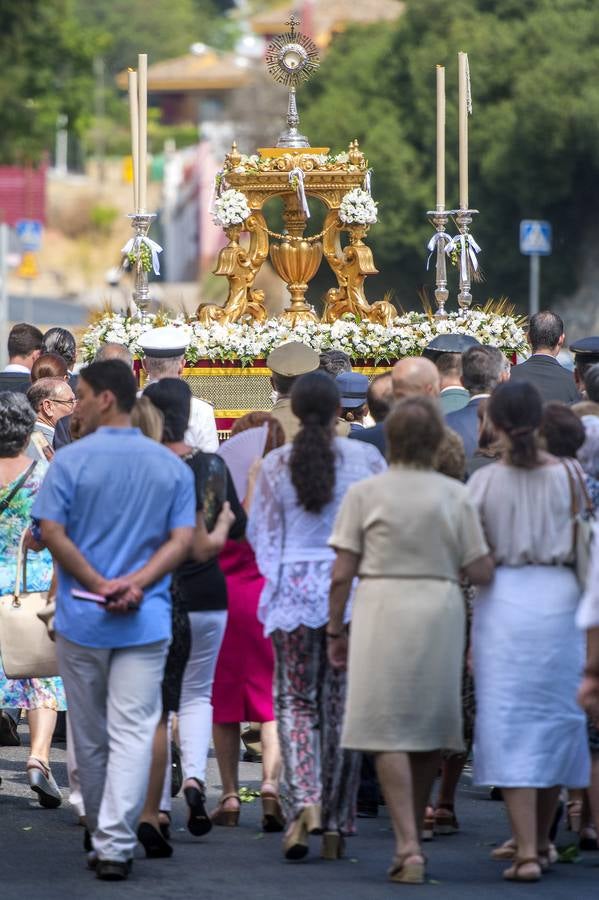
column 297, row 495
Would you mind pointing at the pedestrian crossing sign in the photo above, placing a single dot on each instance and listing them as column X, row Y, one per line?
column 535, row 237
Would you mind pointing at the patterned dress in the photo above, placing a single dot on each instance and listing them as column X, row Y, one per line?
column 28, row 693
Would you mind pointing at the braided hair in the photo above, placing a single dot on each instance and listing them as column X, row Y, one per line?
column 315, row 401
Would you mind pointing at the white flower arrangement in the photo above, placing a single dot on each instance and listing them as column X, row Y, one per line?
column 230, row 208
column 227, row 341
column 358, row 208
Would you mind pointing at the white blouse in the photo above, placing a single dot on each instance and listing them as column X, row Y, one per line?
column 291, row 545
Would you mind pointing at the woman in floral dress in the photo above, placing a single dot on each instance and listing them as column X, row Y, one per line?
column 41, row 697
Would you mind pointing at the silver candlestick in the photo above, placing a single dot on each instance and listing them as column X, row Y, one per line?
column 463, row 218
column 440, row 217
column 141, row 222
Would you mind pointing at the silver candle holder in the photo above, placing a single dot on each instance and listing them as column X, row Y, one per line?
column 439, row 218
column 463, row 219
column 140, row 222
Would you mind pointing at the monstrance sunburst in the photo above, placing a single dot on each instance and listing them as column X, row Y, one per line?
column 290, row 59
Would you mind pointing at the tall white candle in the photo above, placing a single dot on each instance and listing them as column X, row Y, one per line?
column 463, row 127
column 134, row 117
column 142, row 87
column 440, row 137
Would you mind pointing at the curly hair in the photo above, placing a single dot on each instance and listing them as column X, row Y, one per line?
column 315, row 401
column 17, row 419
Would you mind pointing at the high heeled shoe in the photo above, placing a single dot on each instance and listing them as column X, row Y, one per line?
column 403, row 872
column 41, row 781
column 272, row 814
column 227, row 817
column 333, row 845
column 153, row 842
column 198, row 821
column 295, row 842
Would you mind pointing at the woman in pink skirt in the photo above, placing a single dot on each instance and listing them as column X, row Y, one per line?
column 243, row 682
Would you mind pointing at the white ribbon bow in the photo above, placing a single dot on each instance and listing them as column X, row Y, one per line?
column 433, row 243
column 366, row 185
column 134, row 245
column 468, row 249
column 301, row 193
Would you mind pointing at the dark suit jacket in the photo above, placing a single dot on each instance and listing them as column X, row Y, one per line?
column 551, row 379
column 62, row 433
column 374, row 435
column 15, row 381
column 465, row 422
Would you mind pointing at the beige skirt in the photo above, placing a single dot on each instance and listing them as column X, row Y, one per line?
column 405, row 666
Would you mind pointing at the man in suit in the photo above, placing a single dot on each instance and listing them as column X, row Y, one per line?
column 546, row 338
column 24, row 347
column 482, row 370
column 412, row 376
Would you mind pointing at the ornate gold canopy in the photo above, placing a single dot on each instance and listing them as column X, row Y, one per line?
column 292, row 173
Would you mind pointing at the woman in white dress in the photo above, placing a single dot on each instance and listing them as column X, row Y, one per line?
column 297, row 495
column 530, row 735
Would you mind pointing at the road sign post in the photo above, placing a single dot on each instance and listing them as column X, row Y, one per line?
column 535, row 242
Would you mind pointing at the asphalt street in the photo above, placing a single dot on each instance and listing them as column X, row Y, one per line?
column 41, row 856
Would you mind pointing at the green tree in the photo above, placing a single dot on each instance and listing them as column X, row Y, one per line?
column 534, row 132
column 46, row 72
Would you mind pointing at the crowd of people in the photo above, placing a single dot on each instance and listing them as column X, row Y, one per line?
column 382, row 576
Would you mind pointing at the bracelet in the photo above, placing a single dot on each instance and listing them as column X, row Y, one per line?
column 333, row 637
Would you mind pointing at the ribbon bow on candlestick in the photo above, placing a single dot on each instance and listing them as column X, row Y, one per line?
column 297, row 176
column 432, row 244
column 367, row 181
column 134, row 245
column 468, row 248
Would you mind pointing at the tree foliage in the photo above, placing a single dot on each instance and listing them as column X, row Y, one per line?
column 46, row 72
column 534, row 132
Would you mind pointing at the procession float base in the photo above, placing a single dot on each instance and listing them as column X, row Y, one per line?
column 235, row 390
column 226, row 362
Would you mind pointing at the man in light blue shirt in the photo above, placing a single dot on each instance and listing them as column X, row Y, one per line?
column 117, row 511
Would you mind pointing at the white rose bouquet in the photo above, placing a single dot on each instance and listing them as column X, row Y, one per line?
column 231, row 208
column 358, row 208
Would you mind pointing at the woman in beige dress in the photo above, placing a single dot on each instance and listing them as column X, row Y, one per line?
column 409, row 534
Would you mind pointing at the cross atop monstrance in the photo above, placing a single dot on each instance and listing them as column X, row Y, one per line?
column 290, row 59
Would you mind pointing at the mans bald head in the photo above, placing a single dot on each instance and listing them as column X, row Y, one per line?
column 415, row 376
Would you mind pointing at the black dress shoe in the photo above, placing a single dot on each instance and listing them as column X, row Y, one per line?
column 367, row 809
column 153, row 842
column 87, row 842
column 113, row 869
column 198, row 822
column 9, row 736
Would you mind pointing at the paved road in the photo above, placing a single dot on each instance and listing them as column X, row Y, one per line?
column 41, row 856
column 46, row 311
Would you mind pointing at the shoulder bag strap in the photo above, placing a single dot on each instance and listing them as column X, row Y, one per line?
column 5, row 503
column 588, row 503
column 574, row 505
column 21, row 567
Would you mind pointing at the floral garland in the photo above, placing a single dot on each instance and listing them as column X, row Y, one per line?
column 226, row 341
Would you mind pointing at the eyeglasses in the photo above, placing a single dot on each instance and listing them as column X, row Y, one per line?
column 71, row 402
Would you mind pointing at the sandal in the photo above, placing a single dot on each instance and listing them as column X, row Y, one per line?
column 42, row 783
column 587, row 838
column 514, row 873
column 547, row 857
column 403, row 872
column 445, row 820
column 507, row 850
column 198, row 822
column 272, row 813
column 227, row 817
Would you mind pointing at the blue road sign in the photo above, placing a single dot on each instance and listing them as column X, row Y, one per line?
column 535, row 237
column 30, row 233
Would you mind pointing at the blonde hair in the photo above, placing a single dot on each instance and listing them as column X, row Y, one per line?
column 148, row 419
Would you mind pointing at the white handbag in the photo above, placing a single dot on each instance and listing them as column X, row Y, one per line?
column 25, row 645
